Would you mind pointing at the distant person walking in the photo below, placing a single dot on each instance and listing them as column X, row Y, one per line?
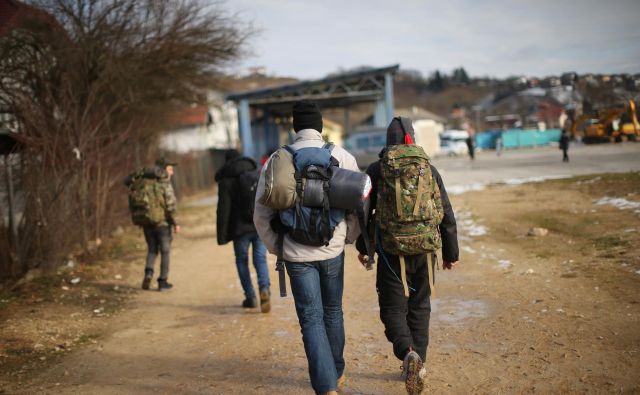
column 152, row 202
column 312, row 246
column 564, row 145
column 471, row 144
column 499, row 143
column 408, row 233
column 237, row 182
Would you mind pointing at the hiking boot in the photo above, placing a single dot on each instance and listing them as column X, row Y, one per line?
column 265, row 300
column 413, row 371
column 163, row 285
column 250, row 303
column 148, row 276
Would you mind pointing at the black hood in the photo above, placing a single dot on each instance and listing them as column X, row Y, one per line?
column 397, row 129
column 234, row 167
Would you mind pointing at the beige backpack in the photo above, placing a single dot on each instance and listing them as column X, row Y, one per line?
column 279, row 182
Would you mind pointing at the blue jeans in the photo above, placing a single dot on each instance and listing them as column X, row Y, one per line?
column 241, row 249
column 317, row 291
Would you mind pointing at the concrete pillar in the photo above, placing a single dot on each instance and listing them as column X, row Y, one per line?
column 388, row 97
column 384, row 106
column 244, row 124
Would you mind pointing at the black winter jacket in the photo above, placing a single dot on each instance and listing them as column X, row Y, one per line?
column 448, row 229
column 230, row 225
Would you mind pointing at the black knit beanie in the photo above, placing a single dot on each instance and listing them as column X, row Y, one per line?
column 395, row 132
column 306, row 115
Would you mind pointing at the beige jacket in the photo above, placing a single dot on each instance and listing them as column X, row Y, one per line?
column 347, row 231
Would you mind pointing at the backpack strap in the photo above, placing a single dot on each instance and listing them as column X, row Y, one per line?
column 280, row 266
column 398, row 195
column 421, row 186
column 403, row 275
column 432, row 287
column 330, row 146
column 326, row 213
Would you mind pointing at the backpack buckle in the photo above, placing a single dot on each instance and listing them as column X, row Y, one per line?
column 397, row 173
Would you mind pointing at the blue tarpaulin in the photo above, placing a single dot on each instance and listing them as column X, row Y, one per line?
column 516, row 138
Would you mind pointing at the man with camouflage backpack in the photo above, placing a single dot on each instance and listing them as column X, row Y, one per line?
column 152, row 203
column 413, row 218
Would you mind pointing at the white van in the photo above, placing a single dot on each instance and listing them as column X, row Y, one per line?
column 454, row 142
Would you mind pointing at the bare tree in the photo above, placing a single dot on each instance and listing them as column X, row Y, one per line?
column 90, row 84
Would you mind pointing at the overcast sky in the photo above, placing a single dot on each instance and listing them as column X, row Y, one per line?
column 309, row 39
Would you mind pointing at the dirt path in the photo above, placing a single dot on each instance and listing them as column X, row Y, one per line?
column 519, row 315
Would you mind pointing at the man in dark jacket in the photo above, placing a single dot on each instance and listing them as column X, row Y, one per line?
column 406, row 320
column 235, row 223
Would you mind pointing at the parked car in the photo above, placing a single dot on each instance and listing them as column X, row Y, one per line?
column 453, row 142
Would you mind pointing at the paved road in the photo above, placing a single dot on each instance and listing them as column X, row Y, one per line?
column 539, row 163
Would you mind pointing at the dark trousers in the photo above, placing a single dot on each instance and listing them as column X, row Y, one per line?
column 565, row 155
column 406, row 320
column 158, row 241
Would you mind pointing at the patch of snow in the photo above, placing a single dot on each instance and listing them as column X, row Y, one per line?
column 460, row 189
column 590, row 181
column 630, row 230
column 637, row 271
column 620, row 203
column 468, row 228
column 504, row 264
column 476, row 230
column 468, row 249
column 520, row 181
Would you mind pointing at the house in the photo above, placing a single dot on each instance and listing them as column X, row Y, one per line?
column 203, row 127
column 427, row 127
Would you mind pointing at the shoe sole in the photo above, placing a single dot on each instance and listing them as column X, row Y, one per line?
column 414, row 383
column 146, row 283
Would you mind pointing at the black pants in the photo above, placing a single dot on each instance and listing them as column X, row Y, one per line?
column 565, row 156
column 406, row 320
column 158, row 241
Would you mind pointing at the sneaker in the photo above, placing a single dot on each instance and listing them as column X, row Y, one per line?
column 148, row 275
column 265, row 300
column 163, row 285
column 413, row 370
column 250, row 303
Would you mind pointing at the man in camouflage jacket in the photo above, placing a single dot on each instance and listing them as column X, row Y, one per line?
column 406, row 319
column 159, row 237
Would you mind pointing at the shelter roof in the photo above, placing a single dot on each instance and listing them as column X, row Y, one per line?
column 330, row 92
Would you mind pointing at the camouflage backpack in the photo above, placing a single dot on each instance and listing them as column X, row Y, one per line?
column 409, row 207
column 146, row 202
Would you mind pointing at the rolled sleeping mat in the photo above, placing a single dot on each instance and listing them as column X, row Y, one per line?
column 349, row 189
column 313, row 193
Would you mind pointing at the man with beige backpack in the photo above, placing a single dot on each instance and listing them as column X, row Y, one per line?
column 296, row 220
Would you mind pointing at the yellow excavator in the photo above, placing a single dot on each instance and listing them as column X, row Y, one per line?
column 608, row 125
column 629, row 125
